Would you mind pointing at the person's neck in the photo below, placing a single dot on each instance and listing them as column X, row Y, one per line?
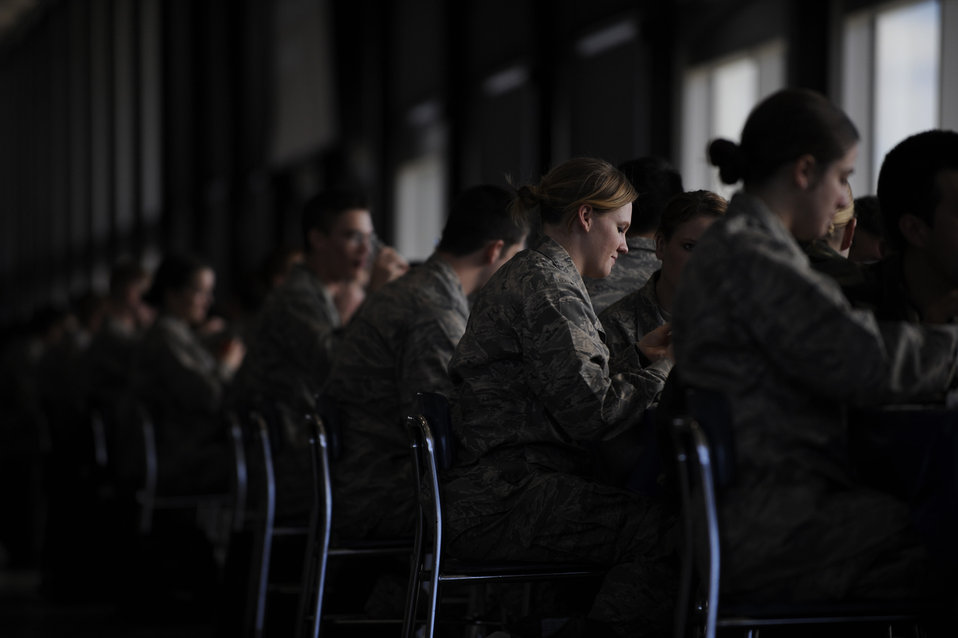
column 567, row 240
column 467, row 269
column 924, row 282
column 776, row 199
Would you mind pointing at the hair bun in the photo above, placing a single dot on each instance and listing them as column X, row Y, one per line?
column 528, row 196
column 729, row 159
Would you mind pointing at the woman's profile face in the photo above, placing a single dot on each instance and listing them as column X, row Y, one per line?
column 193, row 302
column 827, row 194
column 606, row 241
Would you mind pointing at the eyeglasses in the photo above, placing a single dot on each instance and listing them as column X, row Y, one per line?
column 357, row 238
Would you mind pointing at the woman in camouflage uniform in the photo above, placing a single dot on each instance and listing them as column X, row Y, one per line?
column 182, row 381
column 753, row 320
column 685, row 218
column 536, row 389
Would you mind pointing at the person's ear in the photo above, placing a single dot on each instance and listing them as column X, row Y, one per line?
column 585, row 216
column 848, row 234
column 916, row 231
column 659, row 245
column 804, row 172
column 493, row 251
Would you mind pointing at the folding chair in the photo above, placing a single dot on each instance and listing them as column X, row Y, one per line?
column 325, row 448
column 266, row 530
column 703, row 441
column 433, row 451
column 147, row 498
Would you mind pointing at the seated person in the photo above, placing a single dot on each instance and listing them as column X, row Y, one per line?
column 829, row 254
column 535, row 388
column 399, row 343
column 753, row 321
column 685, row 218
column 655, row 181
column 300, row 326
column 918, row 282
column 918, row 193
column 109, row 359
column 182, row 382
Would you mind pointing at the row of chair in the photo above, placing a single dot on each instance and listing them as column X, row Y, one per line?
column 703, row 446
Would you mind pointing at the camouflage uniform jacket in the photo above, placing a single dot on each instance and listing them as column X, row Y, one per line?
column 632, row 317
column 631, row 270
column 290, row 354
column 398, row 343
column 179, row 380
column 109, row 363
column 534, row 384
column 753, row 320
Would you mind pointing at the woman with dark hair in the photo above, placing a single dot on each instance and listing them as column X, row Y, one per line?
column 536, row 391
column 182, row 382
column 685, row 217
column 753, row 321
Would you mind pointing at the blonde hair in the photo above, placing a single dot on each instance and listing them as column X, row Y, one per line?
column 582, row 181
column 843, row 216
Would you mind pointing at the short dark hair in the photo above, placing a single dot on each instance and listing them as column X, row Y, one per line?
column 908, row 180
column 478, row 215
column 656, row 181
column 686, row 206
column 781, row 128
column 321, row 210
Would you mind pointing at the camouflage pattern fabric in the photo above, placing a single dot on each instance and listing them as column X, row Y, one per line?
column 109, row 363
column 631, row 270
column 289, row 356
column 399, row 343
column 534, row 390
column 287, row 362
column 632, row 317
column 754, row 321
column 182, row 385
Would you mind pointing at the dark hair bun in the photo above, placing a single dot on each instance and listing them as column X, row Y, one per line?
column 729, row 159
column 527, row 196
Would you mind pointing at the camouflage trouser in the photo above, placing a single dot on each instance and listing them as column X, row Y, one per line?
column 559, row 517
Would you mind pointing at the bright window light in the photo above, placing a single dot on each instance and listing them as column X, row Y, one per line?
column 907, row 59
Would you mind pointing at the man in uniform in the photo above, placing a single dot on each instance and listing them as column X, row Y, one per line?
column 299, row 329
column 918, row 197
column 398, row 344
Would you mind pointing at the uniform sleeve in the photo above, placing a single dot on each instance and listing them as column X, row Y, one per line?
column 619, row 326
column 184, row 373
column 306, row 331
column 568, row 369
column 812, row 335
column 424, row 361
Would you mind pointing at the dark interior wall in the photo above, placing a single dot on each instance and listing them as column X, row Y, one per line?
column 140, row 127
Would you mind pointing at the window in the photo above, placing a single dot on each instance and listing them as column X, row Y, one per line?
column 419, row 206
column 892, row 78
column 716, row 100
